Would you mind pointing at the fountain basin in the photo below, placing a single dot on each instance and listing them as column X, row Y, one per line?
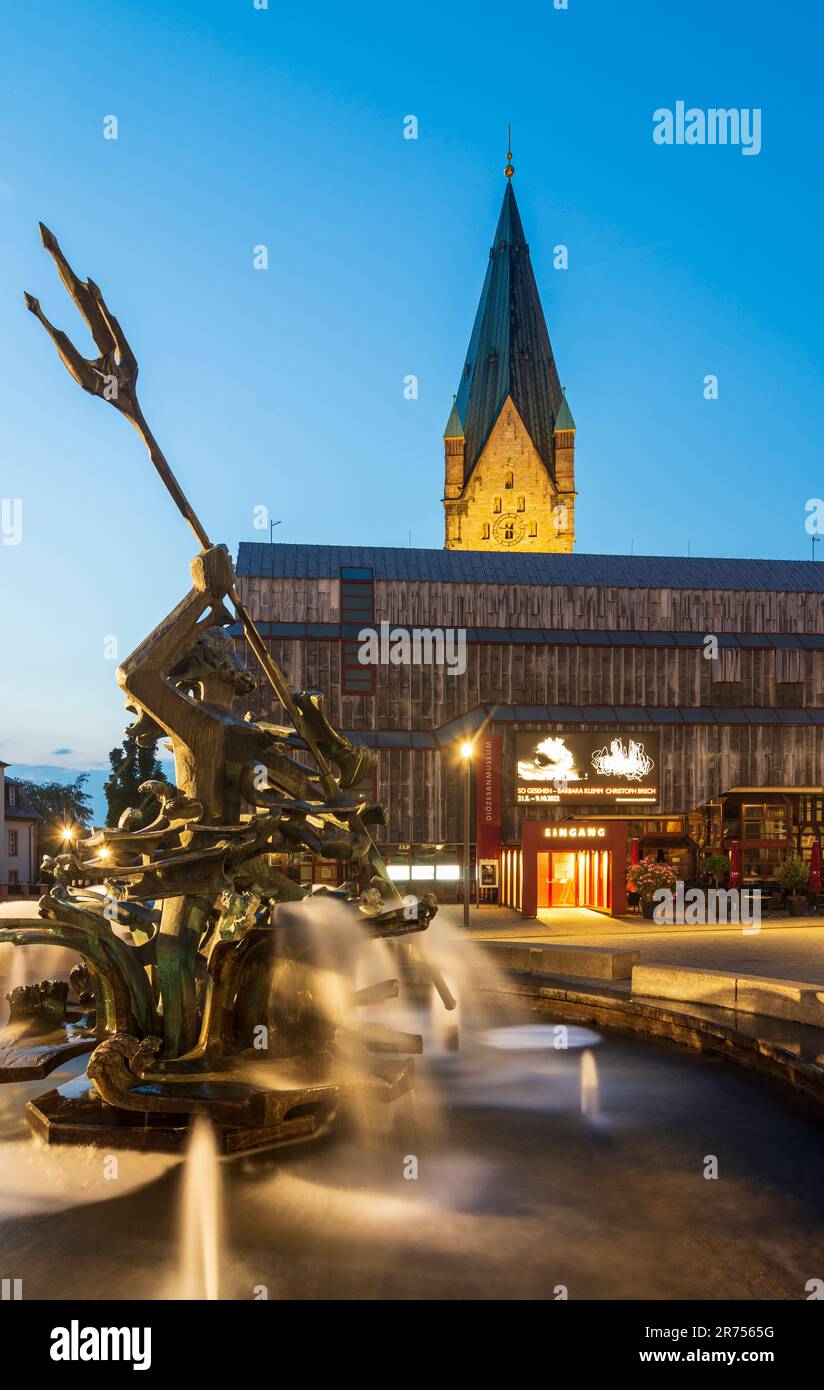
column 517, row 1194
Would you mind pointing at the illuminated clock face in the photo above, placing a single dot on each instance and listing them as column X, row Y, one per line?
column 509, row 529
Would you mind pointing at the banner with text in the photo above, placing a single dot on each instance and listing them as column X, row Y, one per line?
column 606, row 768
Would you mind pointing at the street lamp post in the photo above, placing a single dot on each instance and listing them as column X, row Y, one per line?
column 466, row 754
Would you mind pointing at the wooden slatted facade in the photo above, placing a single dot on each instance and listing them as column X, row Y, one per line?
column 698, row 761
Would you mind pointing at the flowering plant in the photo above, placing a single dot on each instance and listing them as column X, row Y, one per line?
column 645, row 877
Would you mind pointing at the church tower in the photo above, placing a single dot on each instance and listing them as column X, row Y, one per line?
column 509, row 442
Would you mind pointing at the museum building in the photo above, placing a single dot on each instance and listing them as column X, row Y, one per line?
column 607, row 704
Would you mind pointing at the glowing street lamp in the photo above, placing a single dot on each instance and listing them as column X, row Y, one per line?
column 467, row 749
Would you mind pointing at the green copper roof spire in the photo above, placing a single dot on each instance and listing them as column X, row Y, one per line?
column 564, row 420
column 454, row 427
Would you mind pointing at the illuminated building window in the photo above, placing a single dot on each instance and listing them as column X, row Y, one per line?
column 485, row 531
column 496, row 505
column 521, row 504
column 509, row 480
column 533, row 528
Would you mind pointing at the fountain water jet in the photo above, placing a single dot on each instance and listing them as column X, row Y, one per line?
column 201, row 1215
column 589, row 1086
column 15, row 975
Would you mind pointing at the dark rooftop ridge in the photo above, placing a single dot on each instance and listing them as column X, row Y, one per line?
column 479, row 567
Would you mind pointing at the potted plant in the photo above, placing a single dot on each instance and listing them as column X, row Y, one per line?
column 648, row 876
column 715, row 866
column 793, row 877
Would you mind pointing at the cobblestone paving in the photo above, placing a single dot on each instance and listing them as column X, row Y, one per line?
column 786, row 952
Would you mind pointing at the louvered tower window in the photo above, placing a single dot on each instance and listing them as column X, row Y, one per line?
column 357, row 610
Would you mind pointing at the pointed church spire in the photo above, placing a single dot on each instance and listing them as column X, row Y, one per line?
column 509, row 444
column 509, row 352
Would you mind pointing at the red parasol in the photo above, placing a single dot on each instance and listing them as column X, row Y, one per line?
column 735, row 864
column 814, row 884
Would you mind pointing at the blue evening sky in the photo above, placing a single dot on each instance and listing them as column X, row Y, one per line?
column 283, row 127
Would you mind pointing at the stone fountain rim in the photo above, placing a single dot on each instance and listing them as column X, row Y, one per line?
column 704, row 1029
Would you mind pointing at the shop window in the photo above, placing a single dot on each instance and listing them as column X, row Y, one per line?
column 764, row 821
column 759, row 865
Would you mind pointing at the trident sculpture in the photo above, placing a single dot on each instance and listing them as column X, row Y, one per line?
column 197, row 943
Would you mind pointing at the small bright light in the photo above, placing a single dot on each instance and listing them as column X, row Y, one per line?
column 103, row 854
column 67, row 833
column 466, row 750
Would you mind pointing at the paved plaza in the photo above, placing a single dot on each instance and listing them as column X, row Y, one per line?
column 789, row 952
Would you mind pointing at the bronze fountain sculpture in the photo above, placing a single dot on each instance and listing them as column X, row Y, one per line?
column 204, row 982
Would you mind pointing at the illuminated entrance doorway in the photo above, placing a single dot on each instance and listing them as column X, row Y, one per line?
column 582, row 878
column 574, row 864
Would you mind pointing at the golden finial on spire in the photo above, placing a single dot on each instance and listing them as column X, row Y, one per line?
column 510, row 167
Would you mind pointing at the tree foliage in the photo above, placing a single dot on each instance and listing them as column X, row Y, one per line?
column 132, row 765
column 63, row 805
column 794, row 873
column 714, row 865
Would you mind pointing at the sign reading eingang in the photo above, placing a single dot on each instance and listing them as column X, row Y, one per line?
column 615, row 769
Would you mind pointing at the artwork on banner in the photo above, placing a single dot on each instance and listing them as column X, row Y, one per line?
column 488, row 873
column 603, row 767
